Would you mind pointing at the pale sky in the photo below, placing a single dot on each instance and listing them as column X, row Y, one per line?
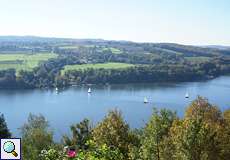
column 199, row 22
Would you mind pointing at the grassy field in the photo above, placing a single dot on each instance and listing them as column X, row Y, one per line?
column 75, row 47
column 97, row 66
column 198, row 59
column 23, row 61
column 113, row 50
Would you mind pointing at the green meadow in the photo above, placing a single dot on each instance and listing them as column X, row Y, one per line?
column 113, row 50
column 97, row 66
column 23, row 61
column 99, row 49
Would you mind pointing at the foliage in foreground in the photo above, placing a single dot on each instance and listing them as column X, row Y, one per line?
column 35, row 137
column 4, row 131
column 203, row 134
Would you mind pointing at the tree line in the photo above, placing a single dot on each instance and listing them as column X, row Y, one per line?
column 48, row 74
column 202, row 134
column 146, row 74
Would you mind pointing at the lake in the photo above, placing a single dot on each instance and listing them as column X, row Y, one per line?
column 71, row 105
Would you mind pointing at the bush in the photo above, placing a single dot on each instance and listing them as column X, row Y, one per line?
column 101, row 152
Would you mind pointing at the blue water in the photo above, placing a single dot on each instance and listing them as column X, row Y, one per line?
column 71, row 105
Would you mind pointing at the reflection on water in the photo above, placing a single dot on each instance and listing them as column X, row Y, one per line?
column 73, row 104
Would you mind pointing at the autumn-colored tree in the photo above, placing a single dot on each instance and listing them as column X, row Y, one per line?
column 135, row 138
column 198, row 135
column 227, row 117
column 195, row 140
column 201, row 108
column 225, row 136
column 113, row 131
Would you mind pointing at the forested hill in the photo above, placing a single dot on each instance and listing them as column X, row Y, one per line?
column 37, row 62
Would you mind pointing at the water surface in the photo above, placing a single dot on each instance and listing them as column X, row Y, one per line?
column 73, row 104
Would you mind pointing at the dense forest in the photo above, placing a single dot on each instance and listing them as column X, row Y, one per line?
column 202, row 134
column 150, row 62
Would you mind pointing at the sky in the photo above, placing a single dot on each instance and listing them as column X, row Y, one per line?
column 196, row 22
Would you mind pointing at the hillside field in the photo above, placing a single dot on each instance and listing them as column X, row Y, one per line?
column 23, row 61
column 97, row 66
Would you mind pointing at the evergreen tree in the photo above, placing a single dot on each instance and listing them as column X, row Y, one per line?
column 4, row 131
column 81, row 133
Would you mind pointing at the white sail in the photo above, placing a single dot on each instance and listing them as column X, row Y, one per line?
column 56, row 89
column 145, row 100
column 89, row 90
column 187, row 95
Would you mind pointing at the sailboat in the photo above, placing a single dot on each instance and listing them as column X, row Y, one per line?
column 146, row 100
column 56, row 89
column 187, row 95
column 89, row 90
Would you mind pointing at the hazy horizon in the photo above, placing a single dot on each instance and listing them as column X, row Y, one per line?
column 203, row 45
column 191, row 22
